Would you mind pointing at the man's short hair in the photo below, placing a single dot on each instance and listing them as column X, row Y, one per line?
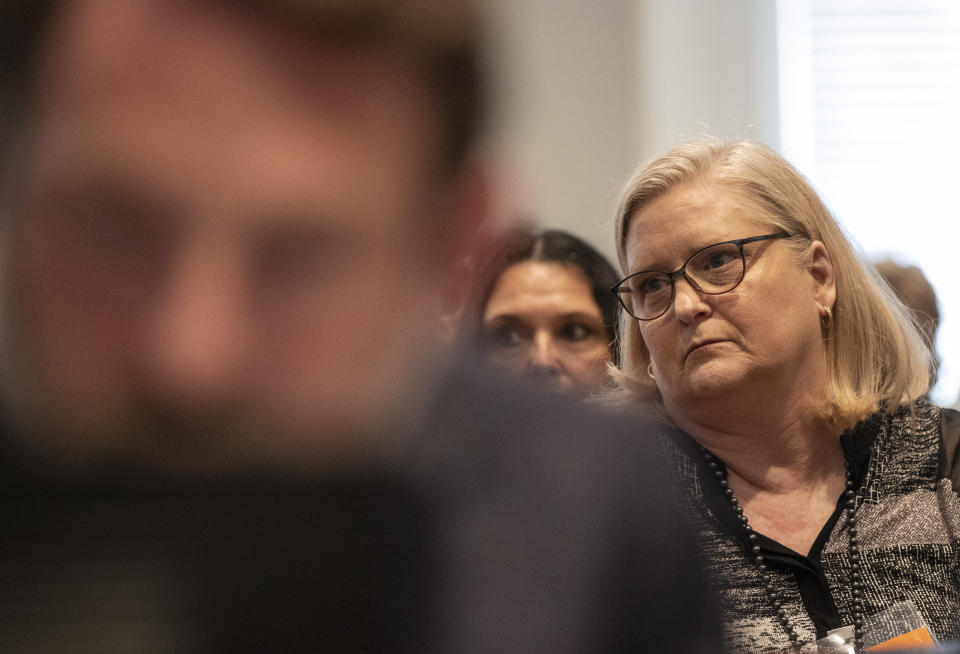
column 439, row 40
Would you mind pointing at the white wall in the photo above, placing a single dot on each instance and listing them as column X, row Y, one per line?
column 588, row 89
column 874, row 92
column 705, row 67
column 567, row 129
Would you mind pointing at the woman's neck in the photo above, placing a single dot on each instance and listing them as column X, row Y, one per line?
column 772, row 448
column 786, row 471
column 768, row 430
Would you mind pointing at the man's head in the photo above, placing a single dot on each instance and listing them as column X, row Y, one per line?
column 231, row 220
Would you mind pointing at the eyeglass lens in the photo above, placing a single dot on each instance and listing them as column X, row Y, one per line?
column 716, row 269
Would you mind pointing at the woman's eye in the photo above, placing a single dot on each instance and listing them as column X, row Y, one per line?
column 718, row 260
column 651, row 285
column 505, row 336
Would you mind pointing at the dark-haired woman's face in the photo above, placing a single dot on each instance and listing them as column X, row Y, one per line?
column 542, row 320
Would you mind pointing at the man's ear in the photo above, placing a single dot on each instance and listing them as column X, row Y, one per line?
column 471, row 227
column 469, row 241
column 822, row 274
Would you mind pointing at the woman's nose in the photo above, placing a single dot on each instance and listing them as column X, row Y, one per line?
column 543, row 353
column 688, row 302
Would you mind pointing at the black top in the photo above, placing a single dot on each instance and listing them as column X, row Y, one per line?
column 908, row 519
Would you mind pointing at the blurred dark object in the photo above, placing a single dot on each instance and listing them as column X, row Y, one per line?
column 22, row 24
column 559, row 526
column 510, row 522
column 113, row 565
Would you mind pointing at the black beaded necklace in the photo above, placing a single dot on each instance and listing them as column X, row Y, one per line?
column 775, row 597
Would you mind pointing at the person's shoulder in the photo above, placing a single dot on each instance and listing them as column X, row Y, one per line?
column 528, row 480
column 912, row 423
column 909, row 438
column 483, row 416
column 923, row 423
column 950, row 446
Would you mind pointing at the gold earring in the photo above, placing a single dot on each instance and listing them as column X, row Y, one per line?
column 650, row 370
column 826, row 316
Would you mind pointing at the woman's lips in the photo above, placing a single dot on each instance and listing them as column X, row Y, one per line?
column 699, row 345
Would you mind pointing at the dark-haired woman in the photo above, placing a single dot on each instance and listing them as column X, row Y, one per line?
column 542, row 308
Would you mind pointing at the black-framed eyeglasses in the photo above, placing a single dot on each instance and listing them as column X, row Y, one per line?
column 715, row 269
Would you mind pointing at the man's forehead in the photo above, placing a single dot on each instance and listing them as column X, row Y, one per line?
column 209, row 45
column 192, row 90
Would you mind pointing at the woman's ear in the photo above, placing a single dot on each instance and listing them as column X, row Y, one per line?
column 822, row 273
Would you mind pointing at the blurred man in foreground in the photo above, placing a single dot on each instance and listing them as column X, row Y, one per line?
column 228, row 228
column 232, row 222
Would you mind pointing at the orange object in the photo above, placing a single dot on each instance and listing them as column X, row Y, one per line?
column 918, row 638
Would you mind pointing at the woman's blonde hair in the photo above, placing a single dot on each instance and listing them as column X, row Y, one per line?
column 877, row 358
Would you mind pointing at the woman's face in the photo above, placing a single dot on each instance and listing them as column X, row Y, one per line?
column 762, row 336
column 541, row 319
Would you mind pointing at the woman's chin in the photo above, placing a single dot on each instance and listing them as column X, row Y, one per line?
column 708, row 382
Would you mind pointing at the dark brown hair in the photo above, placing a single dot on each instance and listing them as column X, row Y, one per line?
column 550, row 245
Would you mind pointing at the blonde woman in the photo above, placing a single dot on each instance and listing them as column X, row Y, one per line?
column 822, row 485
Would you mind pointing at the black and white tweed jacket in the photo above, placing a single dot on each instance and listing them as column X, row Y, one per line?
column 907, row 470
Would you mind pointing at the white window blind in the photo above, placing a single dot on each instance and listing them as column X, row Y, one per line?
column 870, row 112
